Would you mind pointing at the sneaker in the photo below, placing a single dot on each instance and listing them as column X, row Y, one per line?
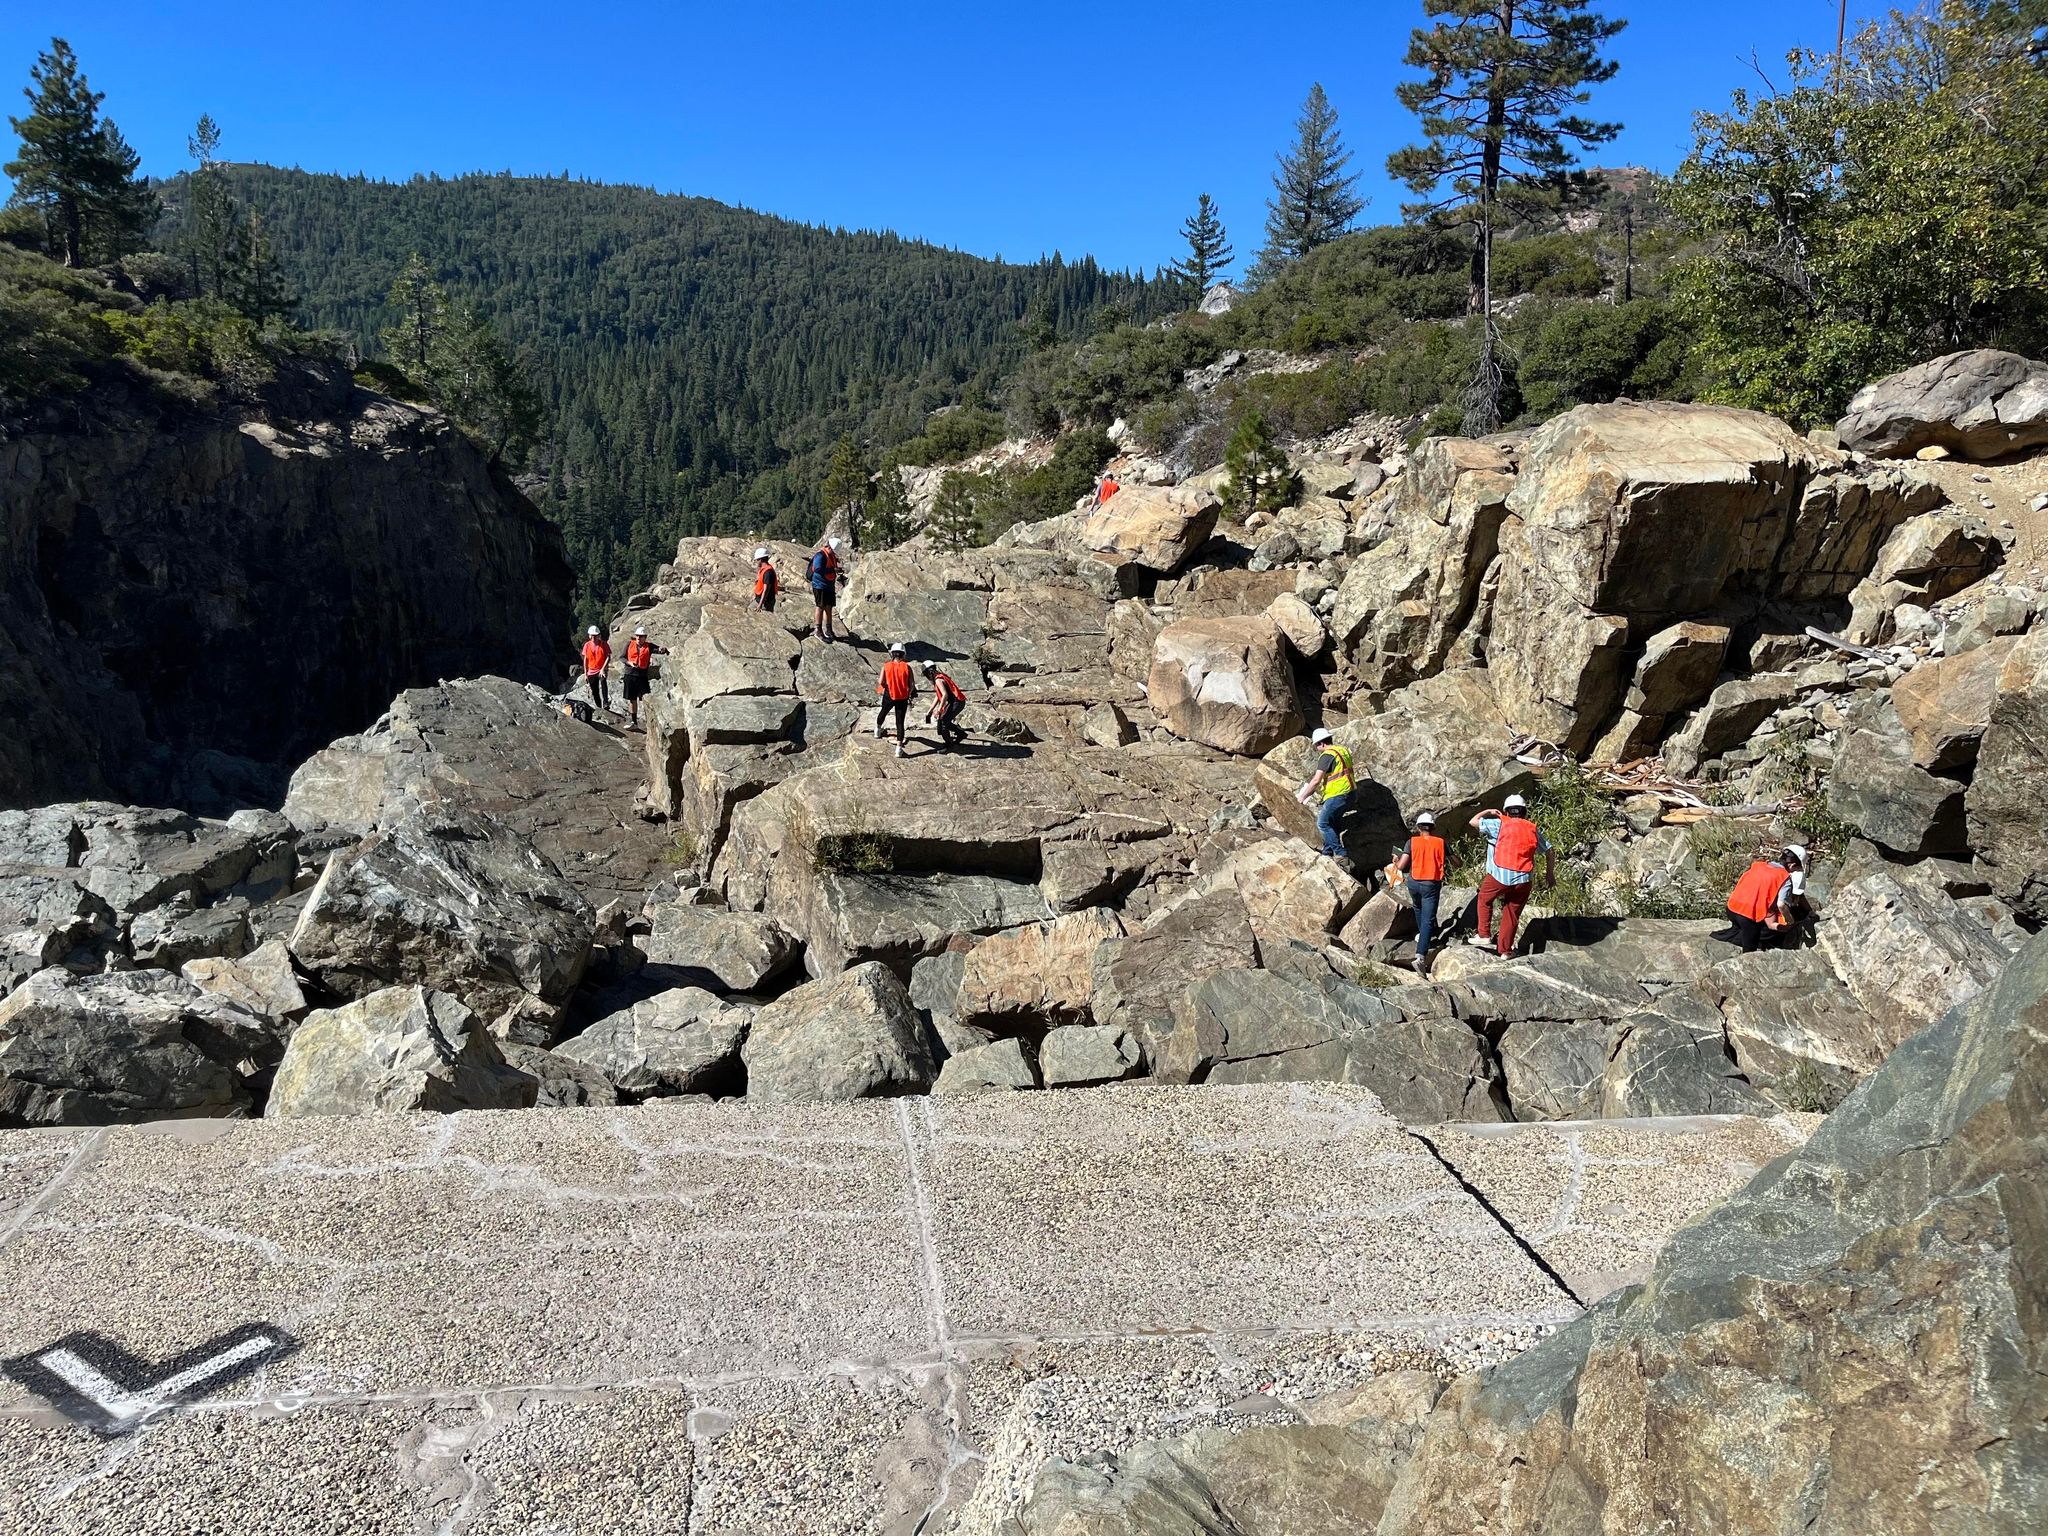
column 1479, row 941
column 878, row 733
column 899, row 749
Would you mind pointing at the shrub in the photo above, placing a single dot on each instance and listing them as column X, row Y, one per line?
column 682, row 849
column 950, row 436
column 856, row 852
column 1804, row 1090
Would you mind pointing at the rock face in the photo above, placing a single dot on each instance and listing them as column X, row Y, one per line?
column 852, row 1036
column 401, row 1048
column 2007, row 829
column 453, row 901
column 1977, row 405
column 166, row 585
column 1225, row 683
column 1760, row 1380
column 130, row 1045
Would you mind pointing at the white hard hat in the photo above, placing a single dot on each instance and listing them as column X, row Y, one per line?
column 896, row 649
column 832, row 543
column 640, row 633
column 1425, row 820
column 1514, row 803
column 1795, row 851
column 593, row 629
column 1320, row 736
column 761, row 553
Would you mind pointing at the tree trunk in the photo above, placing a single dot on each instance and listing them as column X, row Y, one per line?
column 1483, row 412
column 74, row 231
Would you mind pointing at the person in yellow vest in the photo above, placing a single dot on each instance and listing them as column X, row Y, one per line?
column 1332, row 782
column 1423, row 861
column 1764, row 903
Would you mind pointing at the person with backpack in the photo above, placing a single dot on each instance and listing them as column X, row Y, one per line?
column 895, row 688
column 1423, row 861
column 826, row 580
column 1332, row 780
column 765, row 581
column 597, row 656
column 1512, row 843
column 947, row 702
column 640, row 654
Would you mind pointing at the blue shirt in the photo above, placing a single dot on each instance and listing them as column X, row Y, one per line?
column 1490, row 830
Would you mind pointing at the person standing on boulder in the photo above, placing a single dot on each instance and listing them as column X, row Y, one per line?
column 1422, row 861
column 765, row 581
column 640, row 654
column 825, row 583
column 1762, row 905
column 896, row 688
column 597, row 656
column 947, row 702
column 1332, row 781
column 1512, row 843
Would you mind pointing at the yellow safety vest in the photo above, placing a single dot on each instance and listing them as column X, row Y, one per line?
column 1339, row 781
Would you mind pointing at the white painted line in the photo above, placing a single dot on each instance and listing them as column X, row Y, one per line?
column 120, row 1405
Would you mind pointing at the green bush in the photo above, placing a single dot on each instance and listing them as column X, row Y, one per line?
column 856, row 852
column 1575, row 353
column 950, row 436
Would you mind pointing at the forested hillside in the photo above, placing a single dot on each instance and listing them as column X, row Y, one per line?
column 696, row 361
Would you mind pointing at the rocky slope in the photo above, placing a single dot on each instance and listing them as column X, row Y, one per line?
column 192, row 602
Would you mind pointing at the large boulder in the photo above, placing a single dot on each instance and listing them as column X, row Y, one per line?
column 1907, row 953
column 1226, row 683
column 683, row 1040
column 1138, row 977
column 742, row 950
column 1289, row 891
column 1926, row 559
column 2008, row 829
column 1155, row 527
column 1083, row 1055
column 1036, row 977
column 1945, row 705
column 263, row 981
column 453, row 901
column 1671, row 1059
column 1784, row 1010
column 1879, row 789
column 1978, row 405
column 852, row 1036
column 399, row 1049
column 127, row 1046
column 1846, row 1345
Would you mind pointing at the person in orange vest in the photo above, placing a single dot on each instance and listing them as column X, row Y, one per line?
column 1422, row 861
column 597, row 656
column 766, row 582
column 640, row 654
column 947, row 702
column 826, row 580
column 895, row 688
column 1763, row 905
column 1512, row 843
column 1105, row 487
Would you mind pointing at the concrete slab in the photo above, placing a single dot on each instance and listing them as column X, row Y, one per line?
column 712, row 1318
column 1597, row 1198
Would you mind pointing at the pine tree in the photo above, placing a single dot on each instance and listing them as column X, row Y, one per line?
column 76, row 168
column 1259, row 478
column 482, row 388
column 954, row 524
column 422, row 307
column 1313, row 200
column 1499, row 81
column 887, row 522
column 1209, row 252
column 846, row 483
column 257, row 284
column 207, row 238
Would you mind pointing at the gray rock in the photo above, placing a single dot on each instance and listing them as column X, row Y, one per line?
column 1106, row 725
column 852, row 1036
column 1784, row 1009
column 1907, row 953
column 562, row 1083
column 1000, row 1066
column 1081, row 1055
column 404, row 1048
column 1877, row 788
column 1138, row 977
column 1978, row 405
column 1555, row 1069
column 744, row 950
column 1670, row 1059
column 263, row 980
column 167, row 936
column 2007, row 829
column 1732, row 712
column 127, row 1046
column 683, row 1040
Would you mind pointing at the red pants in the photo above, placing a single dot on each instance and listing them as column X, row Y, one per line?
column 1512, row 899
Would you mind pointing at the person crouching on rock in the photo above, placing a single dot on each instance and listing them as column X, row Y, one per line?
column 1422, row 861
column 1512, row 843
column 640, row 654
column 1332, row 782
column 765, row 581
column 947, row 702
column 896, row 688
column 1764, row 907
column 597, row 656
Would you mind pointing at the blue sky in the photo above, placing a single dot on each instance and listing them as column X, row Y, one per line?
column 1003, row 129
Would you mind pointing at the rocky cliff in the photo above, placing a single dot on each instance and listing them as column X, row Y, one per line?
column 192, row 602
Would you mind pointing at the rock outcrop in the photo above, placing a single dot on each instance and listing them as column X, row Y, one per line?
column 397, row 1049
column 1977, row 405
column 852, row 1036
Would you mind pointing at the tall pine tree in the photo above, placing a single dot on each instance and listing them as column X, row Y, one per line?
column 955, row 524
column 846, row 483
column 887, row 520
column 75, row 167
column 1209, row 252
column 422, row 307
column 1314, row 200
column 1258, row 477
column 1500, row 81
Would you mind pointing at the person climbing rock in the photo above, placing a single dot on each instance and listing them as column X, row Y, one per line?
column 1764, row 907
column 1332, row 782
column 896, row 688
column 826, row 580
column 1422, row 861
column 765, row 581
column 947, row 702
column 1512, row 843
column 640, row 654
column 597, row 656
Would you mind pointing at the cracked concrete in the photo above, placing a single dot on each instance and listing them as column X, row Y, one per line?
column 717, row 1317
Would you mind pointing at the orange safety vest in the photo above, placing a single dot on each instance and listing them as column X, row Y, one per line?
column 1514, row 846
column 639, row 652
column 1425, row 857
column 895, row 683
column 764, row 580
column 1756, row 893
column 948, row 689
column 596, row 656
column 828, row 565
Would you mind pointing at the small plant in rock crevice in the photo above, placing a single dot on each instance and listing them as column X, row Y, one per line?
column 856, row 850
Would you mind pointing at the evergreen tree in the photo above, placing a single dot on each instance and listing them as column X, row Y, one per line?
column 257, row 285
column 75, row 167
column 846, row 483
column 207, row 238
column 1209, row 252
column 955, row 525
column 480, row 385
column 887, row 522
column 1258, row 476
column 1500, row 80
column 422, row 306
column 1313, row 200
